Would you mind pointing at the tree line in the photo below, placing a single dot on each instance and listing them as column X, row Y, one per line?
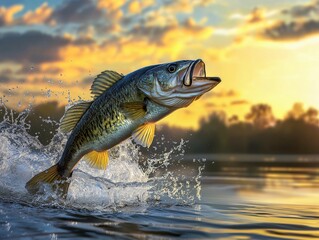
column 260, row 132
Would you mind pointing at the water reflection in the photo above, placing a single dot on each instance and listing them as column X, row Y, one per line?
column 264, row 197
column 275, row 198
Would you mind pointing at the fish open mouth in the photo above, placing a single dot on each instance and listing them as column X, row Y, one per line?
column 196, row 71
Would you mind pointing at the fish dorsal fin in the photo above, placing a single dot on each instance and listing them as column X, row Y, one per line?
column 97, row 160
column 73, row 115
column 104, row 81
column 134, row 110
column 144, row 134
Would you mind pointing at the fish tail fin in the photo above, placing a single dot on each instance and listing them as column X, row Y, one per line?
column 52, row 177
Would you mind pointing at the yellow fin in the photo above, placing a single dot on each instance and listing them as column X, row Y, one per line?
column 73, row 115
column 104, row 81
column 50, row 176
column 144, row 134
column 97, row 159
column 134, row 110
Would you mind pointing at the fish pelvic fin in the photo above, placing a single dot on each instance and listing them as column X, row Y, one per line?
column 97, row 160
column 134, row 110
column 52, row 177
column 144, row 134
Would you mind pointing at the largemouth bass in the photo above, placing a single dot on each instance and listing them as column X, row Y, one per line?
column 123, row 106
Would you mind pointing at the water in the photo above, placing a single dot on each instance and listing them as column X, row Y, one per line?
column 208, row 196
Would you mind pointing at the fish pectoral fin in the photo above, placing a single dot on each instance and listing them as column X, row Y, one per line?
column 52, row 177
column 104, row 81
column 73, row 115
column 97, row 160
column 144, row 134
column 134, row 110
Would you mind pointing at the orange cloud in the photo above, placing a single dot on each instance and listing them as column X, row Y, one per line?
column 134, row 7
column 288, row 24
column 137, row 6
column 7, row 14
column 111, row 5
column 239, row 102
column 257, row 15
column 39, row 16
column 185, row 6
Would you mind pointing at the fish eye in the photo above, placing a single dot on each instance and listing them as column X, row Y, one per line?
column 172, row 68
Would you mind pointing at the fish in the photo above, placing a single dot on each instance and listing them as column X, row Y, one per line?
column 122, row 107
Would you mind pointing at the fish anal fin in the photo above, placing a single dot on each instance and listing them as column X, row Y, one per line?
column 73, row 115
column 52, row 177
column 104, row 81
column 97, row 159
column 134, row 110
column 144, row 134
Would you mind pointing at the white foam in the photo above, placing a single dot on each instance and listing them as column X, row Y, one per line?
column 124, row 182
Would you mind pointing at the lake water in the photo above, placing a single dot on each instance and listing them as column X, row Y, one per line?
column 168, row 196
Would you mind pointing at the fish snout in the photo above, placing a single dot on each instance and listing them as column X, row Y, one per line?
column 197, row 72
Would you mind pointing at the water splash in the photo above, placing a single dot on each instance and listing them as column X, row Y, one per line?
column 126, row 181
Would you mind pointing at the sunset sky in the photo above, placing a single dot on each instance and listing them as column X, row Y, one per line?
column 264, row 51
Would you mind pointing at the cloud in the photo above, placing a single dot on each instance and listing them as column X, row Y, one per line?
column 76, row 11
column 239, row 102
column 291, row 31
column 210, row 105
column 27, row 69
column 111, row 6
column 88, row 80
column 9, row 92
column 134, row 7
column 153, row 33
column 91, row 17
column 257, row 15
column 173, row 33
column 34, row 46
column 30, row 47
column 250, row 25
column 302, row 22
column 81, row 15
column 221, row 94
column 305, row 10
column 186, row 6
column 4, row 78
column 7, row 14
column 289, row 24
column 40, row 15
column 137, row 6
column 7, row 76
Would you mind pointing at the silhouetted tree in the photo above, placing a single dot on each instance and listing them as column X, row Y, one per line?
column 311, row 116
column 296, row 112
column 234, row 119
column 261, row 116
column 211, row 136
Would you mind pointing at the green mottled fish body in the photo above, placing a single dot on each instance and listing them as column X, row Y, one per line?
column 105, row 124
column 123, row 107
